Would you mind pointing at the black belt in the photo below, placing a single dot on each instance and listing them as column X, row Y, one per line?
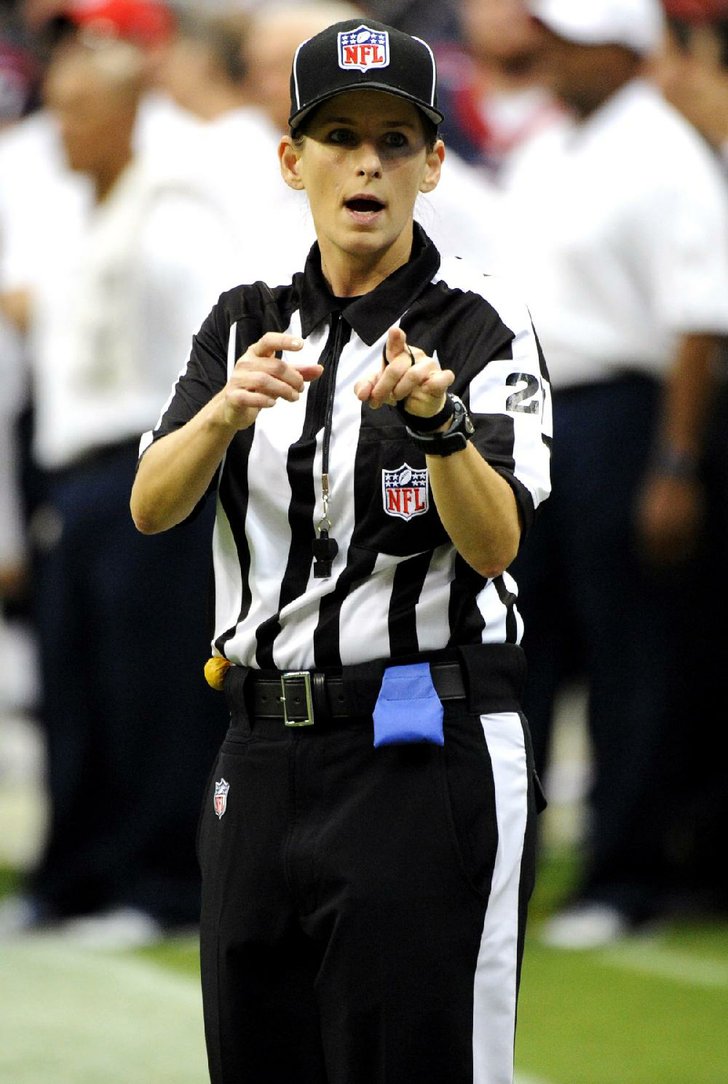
column 296, row 696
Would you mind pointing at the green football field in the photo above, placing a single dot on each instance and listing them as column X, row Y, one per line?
column 653, row 1010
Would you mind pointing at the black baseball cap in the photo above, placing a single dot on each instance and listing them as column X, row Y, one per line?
column 356, row 55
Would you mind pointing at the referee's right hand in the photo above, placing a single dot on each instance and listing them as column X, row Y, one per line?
column 263, row 375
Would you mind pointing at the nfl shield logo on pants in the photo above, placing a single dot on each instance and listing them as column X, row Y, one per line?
column 220, row 799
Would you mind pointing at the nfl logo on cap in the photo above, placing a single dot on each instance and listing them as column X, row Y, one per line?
column 354, row 56
column 363, row 49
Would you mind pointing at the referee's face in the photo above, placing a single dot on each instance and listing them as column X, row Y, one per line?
column 362, row 162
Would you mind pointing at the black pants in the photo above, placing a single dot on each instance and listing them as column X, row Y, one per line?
column 593, row 606
column 130, row 725
column 364, row 909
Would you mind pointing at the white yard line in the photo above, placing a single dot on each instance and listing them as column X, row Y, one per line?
column 667, row 963
column 73, row 1017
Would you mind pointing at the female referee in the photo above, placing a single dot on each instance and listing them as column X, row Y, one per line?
column 377, row 433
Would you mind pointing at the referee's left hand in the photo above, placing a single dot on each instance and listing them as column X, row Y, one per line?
column 409, row 375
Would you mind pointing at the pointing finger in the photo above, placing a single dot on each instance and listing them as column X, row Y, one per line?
column 273, row 342
column 395, row 345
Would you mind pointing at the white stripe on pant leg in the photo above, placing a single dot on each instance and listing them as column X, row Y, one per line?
column 494, row 1000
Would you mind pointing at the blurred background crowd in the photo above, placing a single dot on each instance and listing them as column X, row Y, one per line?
column 587, row 157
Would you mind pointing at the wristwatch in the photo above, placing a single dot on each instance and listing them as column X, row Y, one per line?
column 451, row 440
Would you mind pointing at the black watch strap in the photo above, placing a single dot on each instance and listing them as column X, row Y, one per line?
column 427, row 425
column 454, row 439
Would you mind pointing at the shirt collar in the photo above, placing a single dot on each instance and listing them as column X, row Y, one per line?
column 375, row 312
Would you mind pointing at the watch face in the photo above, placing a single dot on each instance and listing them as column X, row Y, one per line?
column 461, row 418
column 455, row 437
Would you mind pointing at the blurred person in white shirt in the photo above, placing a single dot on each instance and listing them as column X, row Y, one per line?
column 692, row 72
column 233, row 152
column 42, row 208
column 129, row 724
column 20, row 73
column 617, row 225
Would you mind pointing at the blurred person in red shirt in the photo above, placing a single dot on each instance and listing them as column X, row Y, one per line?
column 128, row 722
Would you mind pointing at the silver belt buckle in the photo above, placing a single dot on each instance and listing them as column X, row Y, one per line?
column 292, row 712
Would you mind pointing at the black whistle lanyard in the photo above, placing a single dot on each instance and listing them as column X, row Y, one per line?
column 325, row 547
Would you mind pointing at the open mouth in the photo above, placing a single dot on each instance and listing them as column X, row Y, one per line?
column 364, row 204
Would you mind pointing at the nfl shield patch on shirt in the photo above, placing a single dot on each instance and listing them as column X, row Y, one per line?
column 404, row 492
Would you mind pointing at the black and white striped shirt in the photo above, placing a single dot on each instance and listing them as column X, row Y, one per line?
column 397, row 586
